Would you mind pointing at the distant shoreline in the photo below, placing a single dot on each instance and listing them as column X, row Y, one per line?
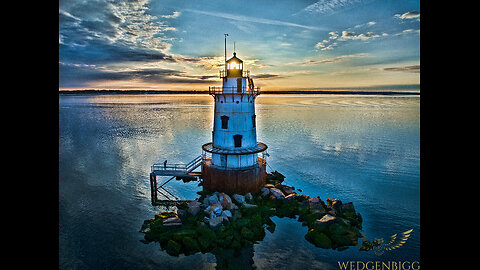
column 175, row 92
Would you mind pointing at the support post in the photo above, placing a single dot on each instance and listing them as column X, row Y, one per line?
column 153, row 188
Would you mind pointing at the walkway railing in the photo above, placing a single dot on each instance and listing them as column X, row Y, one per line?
column 178, row 168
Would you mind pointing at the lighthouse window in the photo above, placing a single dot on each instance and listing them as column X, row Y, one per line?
column 253, row 120
column 237, row 139
column 224, row 119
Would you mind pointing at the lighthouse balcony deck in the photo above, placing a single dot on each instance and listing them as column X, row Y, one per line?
column 260, row 147
column 216, row 90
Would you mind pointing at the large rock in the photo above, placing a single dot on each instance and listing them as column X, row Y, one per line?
column 348, row 207
column 181, row 213
column 173, row 221
column 348, row 210
column 227, row 213
column 277, row 193
column 164, row 215
column 194, row 207
column 213, row 199
column 265, row 191
column 335, row 205
column 290, row 197
column 316, row 205
column 225, row 201
column 327, row 219
column 318, row 210
column 285, row 189
column 315, row 202
column 248, row 205
column 215, row 222
column 172, row 224
column 239, row 198
column 214, row 210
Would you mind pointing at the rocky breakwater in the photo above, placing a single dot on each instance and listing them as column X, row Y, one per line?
column 217, row 220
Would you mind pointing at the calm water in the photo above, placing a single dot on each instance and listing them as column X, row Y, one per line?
column 363, row 149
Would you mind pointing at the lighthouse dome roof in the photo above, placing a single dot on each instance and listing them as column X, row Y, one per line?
column 234, row 59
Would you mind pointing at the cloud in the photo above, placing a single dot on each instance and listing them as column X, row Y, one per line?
column 351, row 35
column 408, row 15
column 331, row 42
column 253, row 19
column 266, row 76
column 97, row 31
column 255, row 63
column 102, row 52
column 410, row 69
column 174, row 15
column 330, row 60
column 78, row 75
column 408, row 31
column 329, row 7
column 365, row 24
column 208, row 62
column 97, row 38
column 324, row 45
column 327, row 44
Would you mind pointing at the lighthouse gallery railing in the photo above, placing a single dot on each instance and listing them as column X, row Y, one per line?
column 245, row 73
column 217, row 90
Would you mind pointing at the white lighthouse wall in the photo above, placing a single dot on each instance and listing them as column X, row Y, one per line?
column 234, row 161
column 241, row 117
column 240, row 110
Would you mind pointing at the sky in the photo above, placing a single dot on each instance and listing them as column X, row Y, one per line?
column 285, row 44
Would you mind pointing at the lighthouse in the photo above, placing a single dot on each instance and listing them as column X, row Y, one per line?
column 234, row 162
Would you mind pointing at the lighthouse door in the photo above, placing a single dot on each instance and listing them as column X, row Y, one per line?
column 239, row 85
column 237, row 140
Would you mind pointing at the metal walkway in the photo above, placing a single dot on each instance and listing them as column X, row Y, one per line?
column 177, row 171
column 184, row 170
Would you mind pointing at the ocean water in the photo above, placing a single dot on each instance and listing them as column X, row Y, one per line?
column 360, row 149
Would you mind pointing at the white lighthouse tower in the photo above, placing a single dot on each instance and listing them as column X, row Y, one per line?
column 234, row 165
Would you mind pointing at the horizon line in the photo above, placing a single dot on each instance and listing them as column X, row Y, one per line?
column 199, row 92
